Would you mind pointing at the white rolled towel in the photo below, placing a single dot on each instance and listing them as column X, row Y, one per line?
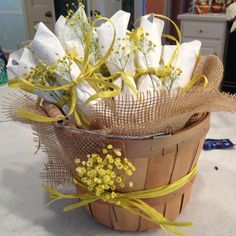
column 186, row 60
column 47, row 47
column 125, row 60
column 71, row 33
column 152, row 47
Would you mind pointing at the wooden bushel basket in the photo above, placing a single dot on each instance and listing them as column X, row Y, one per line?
column 158, row 162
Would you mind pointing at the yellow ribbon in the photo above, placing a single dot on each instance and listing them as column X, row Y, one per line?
column 132, row 202
column 195, row 79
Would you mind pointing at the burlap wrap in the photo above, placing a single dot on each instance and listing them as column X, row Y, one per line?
column 156, row 113
column 182, row 114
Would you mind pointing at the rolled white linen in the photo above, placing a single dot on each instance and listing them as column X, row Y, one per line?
column 47, row 48
column 72, row 33
column 122, row 56
column 149, row 55
column 21, row 62
column 186, row 60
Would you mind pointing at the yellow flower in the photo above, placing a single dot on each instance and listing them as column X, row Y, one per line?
column 118, row 179
column 104, row 151
column 106, row 187
column 106, row 178
column 117, row 152
column 133, row 168
column 107, row 197
column 125, row 167
column 110, row 145
column 113, row 174
column 111, row 182
column 94, row 155
column 89, row 163
column 120, row 166
column 109, row 156
column 81, row 171
column 131, row 184
column 97, row 180
column 110, row 167
column 101, row 172
column 99, row 159
column 77, row 161
column 113, row 195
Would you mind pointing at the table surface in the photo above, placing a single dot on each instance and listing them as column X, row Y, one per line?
column 23, row 209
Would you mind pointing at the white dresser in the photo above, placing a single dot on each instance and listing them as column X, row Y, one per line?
column 210, row 29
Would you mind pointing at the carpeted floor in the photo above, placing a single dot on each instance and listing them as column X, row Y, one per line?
column 23, row 208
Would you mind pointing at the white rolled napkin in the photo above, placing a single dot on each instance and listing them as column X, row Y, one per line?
column 124, row 61
column 186, row 60
column 150, row 54
column 21, row 62
column 71, row 33
column 47, row 47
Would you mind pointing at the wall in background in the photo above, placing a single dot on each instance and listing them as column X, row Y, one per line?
column 155, row 6
column 12, row 25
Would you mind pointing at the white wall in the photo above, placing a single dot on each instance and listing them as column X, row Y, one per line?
column 12, row 24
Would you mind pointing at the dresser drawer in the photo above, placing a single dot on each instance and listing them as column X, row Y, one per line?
column 201, row 29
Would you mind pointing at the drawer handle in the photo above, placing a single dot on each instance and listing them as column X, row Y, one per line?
column 201, row 31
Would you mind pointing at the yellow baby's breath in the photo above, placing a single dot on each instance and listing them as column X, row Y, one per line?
column 103, row 173
column 109, row 146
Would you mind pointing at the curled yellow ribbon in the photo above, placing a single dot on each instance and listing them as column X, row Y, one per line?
column 132, row 201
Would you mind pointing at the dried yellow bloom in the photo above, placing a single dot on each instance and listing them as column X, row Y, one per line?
column 117, row 152
column 109, row 146
column 102, row 173
column 104, row 151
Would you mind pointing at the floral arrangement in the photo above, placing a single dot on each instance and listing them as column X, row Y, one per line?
column 99, row 172
column 83, row 63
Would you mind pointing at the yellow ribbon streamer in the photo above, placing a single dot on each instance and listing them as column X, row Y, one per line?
column 195, row 79
column 132, row 202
